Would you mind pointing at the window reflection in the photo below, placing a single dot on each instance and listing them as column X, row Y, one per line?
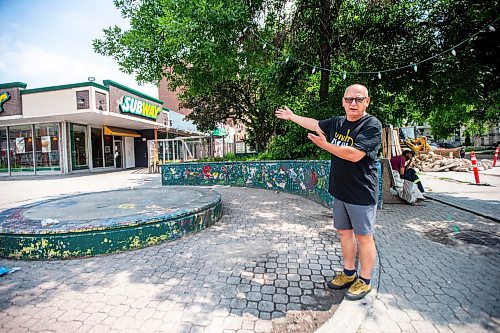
column 47, row 146
column 21, row 148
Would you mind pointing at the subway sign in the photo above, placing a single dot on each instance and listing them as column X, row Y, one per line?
column 139, row 108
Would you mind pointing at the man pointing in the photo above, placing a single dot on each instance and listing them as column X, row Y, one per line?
column 353, row 141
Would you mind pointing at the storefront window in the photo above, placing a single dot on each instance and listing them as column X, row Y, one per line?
column 97, row 156
column 79, row 154
column 4, row 152
column 108, row 151
column 21, row 148
column 47, row 146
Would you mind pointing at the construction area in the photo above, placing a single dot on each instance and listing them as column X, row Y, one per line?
column 428, row 158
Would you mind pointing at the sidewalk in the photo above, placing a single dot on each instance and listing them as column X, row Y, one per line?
column 431, row 281
column 261, row 268
column 454, row 188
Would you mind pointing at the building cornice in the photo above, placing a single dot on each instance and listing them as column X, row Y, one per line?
column 13, row 85
column 64, row 86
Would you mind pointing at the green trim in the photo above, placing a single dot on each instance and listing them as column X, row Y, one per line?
column 79, row 167
column 48, row 169
column 130, row 90
column 64, row 86
column 166, row 109
column 13, row 85
column 22, row 170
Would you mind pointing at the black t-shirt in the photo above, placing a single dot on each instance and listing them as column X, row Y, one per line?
column 354, row 182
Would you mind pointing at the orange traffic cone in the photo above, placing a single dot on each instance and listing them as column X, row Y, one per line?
column 476, row 171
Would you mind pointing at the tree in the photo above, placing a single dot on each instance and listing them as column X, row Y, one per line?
column 223, row 71
column 228, row 70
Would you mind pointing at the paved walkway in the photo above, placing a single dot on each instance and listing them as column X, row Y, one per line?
column 427, row 286
column 455, row 188
column 261, row 268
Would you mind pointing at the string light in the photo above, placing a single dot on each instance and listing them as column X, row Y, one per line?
column 264, row 47
column 414, row 65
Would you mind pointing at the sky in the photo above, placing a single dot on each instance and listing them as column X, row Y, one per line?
column 49, row 42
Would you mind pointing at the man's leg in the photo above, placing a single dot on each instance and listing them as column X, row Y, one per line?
column 367, row 255
column 363, row 221
column 349, row 248
column 348, row 244
column 348, row 276
column 411, row 175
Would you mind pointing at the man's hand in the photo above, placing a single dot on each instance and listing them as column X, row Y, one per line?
column 319, row 140
column 284, row 113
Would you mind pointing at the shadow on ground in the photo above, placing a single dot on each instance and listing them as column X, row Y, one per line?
column 262, row 267
column 427, row 280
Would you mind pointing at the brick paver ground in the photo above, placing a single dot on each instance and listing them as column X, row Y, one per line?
column 427, row 286
column 261, row 268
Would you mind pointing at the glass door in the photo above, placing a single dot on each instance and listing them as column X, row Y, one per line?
column 79, row 155
column 118, row 154
column 4, row 152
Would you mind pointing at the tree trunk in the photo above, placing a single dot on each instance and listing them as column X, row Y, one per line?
column 325, row 53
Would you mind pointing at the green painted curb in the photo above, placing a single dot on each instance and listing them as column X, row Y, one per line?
column 107, row 240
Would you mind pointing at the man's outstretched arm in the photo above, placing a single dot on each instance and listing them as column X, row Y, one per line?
column 308, row 123
column 347, row 153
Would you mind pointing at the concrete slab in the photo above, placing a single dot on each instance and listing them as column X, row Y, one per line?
column 105, row 222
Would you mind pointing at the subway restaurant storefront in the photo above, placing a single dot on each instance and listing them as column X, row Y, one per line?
column 81, row 127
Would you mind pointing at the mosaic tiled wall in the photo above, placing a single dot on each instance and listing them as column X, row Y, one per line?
column 308, row 179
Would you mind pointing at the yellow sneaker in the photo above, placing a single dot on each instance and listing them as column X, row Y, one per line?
column 358, row 290
column 341, row 281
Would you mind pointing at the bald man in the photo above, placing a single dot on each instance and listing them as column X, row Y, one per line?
column 353, row 141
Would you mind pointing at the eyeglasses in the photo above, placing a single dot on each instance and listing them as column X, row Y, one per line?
column 358, row 100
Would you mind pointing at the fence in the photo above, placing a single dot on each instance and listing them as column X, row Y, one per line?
column 163, row 151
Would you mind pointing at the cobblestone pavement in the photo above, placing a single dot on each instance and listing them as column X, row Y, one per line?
column 429, row 280
column 261, row 268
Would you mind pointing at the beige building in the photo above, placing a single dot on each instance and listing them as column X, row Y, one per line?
column 80, row 127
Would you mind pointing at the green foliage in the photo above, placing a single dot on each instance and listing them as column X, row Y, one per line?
column 226, row 72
